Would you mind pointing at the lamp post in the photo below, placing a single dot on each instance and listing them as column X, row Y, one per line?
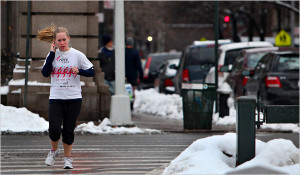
column 120, row 105
column 27, row 52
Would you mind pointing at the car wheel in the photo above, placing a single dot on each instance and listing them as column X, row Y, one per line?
column 161, row 89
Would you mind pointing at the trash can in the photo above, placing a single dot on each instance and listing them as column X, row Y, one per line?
column 198, row 101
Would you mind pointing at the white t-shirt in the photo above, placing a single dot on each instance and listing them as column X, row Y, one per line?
column 64, row 83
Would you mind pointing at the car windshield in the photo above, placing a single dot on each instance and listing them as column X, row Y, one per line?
column 158, row 60
column 288, row 63
column 200, row 55
column 254, row 58
column 231, row 55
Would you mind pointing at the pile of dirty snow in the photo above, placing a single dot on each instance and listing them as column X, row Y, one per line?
column 21, row 120
column 105, row 127
column 16, row 120
column 217, row 155
column 151, row 102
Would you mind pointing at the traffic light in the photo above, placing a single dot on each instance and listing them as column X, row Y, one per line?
column 226, row 19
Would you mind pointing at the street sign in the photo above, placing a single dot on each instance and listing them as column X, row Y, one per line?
column 283, row 39
column 203, row 39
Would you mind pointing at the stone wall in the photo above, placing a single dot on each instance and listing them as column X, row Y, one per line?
column 79, row 18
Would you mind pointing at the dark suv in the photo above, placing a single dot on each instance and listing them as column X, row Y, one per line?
column 153, row 65
column 275, row 79
column 195, row 63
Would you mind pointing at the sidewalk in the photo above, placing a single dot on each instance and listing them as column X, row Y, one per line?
column 171, row 125
column 143, row 120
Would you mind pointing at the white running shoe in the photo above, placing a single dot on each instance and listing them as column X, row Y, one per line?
column 68, row 163
column 50, row 160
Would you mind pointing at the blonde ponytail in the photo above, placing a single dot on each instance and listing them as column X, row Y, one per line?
column 47, row 34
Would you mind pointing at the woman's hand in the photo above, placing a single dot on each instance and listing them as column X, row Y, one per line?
column 53, row 47
column 75, row 70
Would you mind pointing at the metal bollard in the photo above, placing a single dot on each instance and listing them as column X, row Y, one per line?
column 245, row 129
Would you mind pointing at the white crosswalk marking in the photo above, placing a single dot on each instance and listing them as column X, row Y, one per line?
column 113, row 154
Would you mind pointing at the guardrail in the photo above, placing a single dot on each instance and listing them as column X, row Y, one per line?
column 247, row 120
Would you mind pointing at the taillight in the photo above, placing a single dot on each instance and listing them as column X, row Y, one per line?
column 245, row 79
column 273, row 82
column 185, row 75
column 168, row 82
column 219, row 68
column 146, row 70
column 221, row 74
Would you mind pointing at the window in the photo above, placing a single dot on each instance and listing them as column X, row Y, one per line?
column 288, row 63
column 254, row 58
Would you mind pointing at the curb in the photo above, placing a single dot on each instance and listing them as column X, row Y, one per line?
column 158, row 170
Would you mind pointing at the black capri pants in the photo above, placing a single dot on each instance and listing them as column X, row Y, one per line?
column 65, row 113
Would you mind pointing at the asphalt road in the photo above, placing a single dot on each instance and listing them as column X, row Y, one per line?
column 113, row 154
column 104, row 154
column 95, row 154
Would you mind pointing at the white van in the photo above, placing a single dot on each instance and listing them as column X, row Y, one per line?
column 227, row 56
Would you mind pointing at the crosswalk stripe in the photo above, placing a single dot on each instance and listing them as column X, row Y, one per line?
column 89, row 146
column 20, row 163
column 96, row 158
column 79, row 164
column 93, row 151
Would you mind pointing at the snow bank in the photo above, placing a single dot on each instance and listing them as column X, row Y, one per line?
column 105, row 128
column 21, row 120
column 4, row 90
column 217, row 155
column 152, row 102
column 170, row 106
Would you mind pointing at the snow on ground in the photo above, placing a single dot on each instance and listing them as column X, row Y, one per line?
column 105, row 128
column 211, row 155
column 15, row 120
column 21, row 120
column 147, row 101
column 151, row 102
column 217, row 155
column 170, row 106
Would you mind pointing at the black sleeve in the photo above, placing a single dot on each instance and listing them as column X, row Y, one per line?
column 47, row 68
column 87, row 73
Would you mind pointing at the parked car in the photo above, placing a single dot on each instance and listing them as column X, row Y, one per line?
column 153, row 64
column 275, row 79
column 195, row 62
column 228, row 54
column 166, row 75
column 247, row 60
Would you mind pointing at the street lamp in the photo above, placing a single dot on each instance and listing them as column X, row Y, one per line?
column 149, row 38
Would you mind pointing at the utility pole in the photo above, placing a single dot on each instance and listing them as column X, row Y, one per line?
column 292, row 13
column 120, row 105
column 216, row 28
column 27, row 52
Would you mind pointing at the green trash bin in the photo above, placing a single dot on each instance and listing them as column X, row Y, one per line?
column 198, row 101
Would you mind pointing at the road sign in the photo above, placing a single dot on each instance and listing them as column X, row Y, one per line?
column 283, row 39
